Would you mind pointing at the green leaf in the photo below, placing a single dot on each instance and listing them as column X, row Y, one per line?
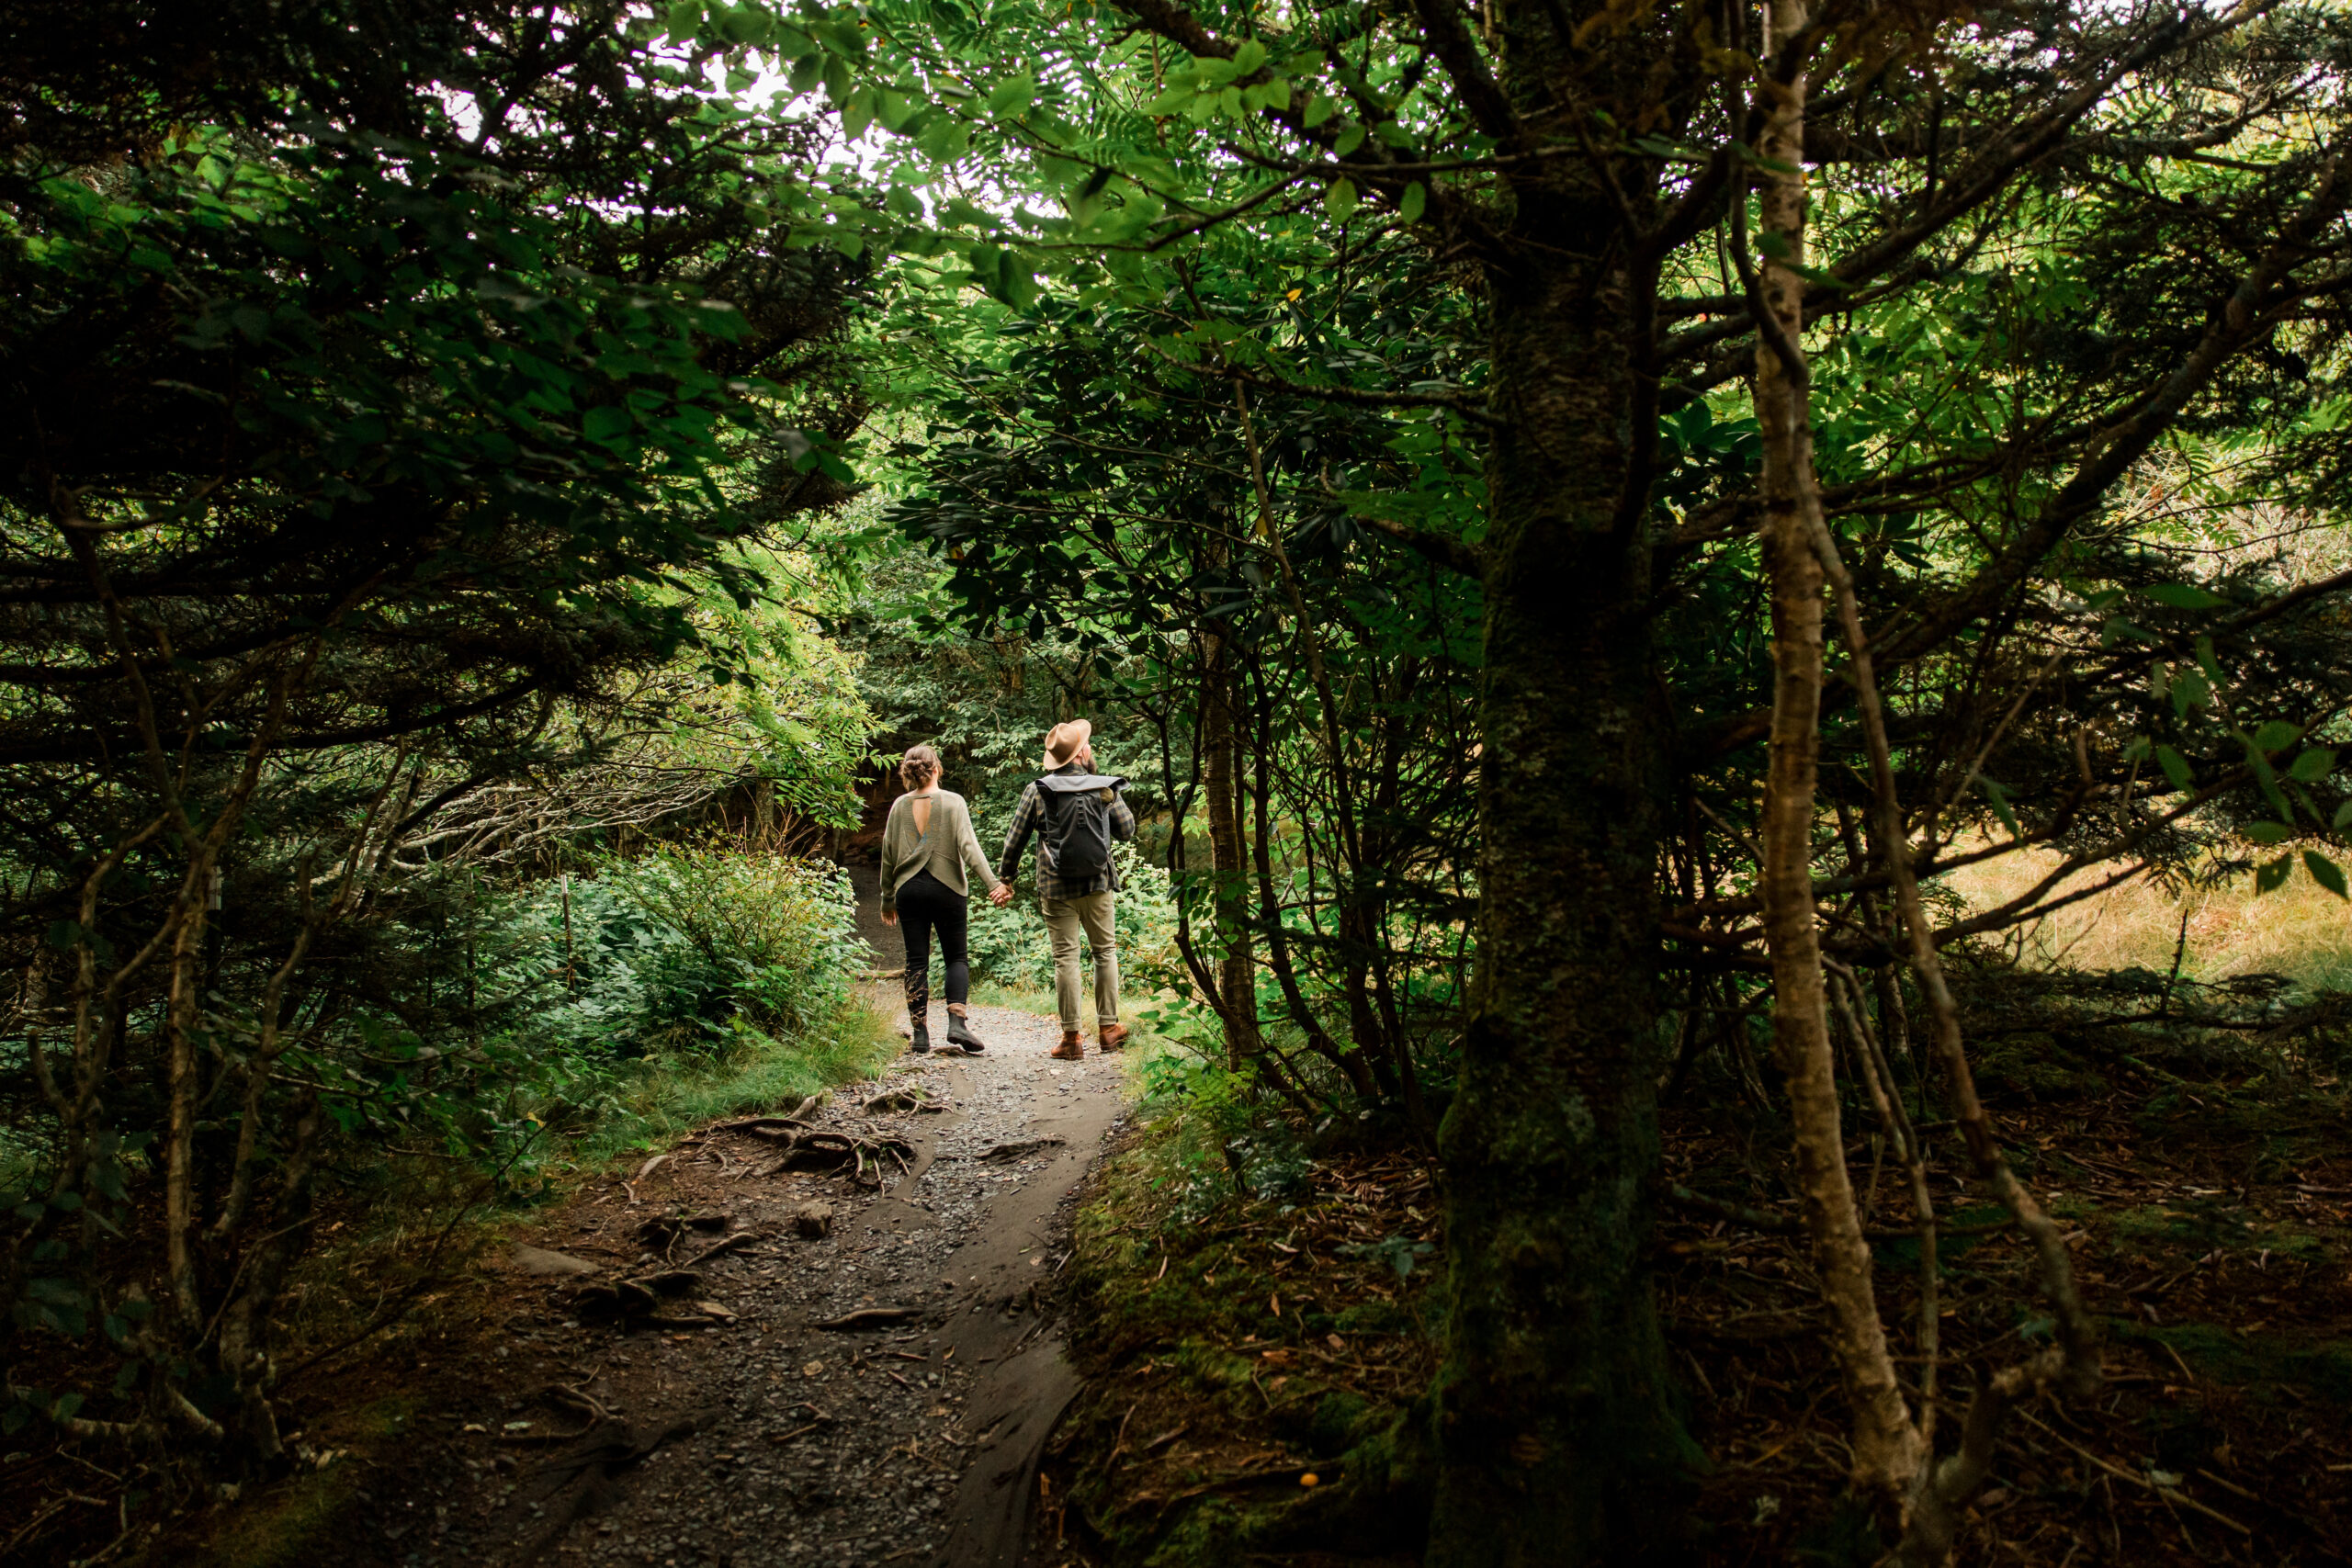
column 1341, row 200
column 1268, row 95
column 1319, row 108
column 2175, row 768
column 605, row 424
column 2343, row 817
column 2000, row 799
column 2277, row 735
column 1248, row 56
column 2207, row 662
column 2313, row 765
column 859, row 113
column 2269, row 832
column 1415, row 198
column 1013, row 97
column 1021, row 291
column 2326, row 873
column 2271, row 877
column 2181, row 597
column 1349, row 140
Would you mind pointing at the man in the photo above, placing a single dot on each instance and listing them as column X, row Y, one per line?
column 1076, row 813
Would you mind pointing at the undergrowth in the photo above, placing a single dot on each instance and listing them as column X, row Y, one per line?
column 601, row 1014
column 1250, row 1298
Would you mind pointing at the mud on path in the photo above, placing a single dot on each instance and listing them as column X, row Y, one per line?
column 723, row 1426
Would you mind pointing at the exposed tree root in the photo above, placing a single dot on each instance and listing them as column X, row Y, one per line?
column 584, row 1481
column 870, row 1317
column 806, row 1148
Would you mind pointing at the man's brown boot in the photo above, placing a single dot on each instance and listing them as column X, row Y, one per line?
column 1070, row 1050
column 1112, row 1036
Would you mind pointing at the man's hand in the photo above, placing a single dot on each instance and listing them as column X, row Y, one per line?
column 890, row 917
column 1000, row 894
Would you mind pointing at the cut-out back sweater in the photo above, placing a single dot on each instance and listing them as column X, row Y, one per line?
column 943, row 849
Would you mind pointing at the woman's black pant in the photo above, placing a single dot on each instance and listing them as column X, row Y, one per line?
column 925, row 905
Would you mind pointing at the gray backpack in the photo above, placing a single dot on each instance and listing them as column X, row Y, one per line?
column 1077, row 822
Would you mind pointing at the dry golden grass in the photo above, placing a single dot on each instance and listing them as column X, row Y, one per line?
column 2302, row 930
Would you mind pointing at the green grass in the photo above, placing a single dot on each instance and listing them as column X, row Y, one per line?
column 756, row 1074
column 1020, row 998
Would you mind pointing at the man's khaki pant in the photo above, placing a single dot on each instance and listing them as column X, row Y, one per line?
column 1064, row 919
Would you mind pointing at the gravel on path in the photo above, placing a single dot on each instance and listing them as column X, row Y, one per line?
column 727, row 1427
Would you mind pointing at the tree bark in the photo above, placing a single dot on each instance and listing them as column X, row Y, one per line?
column 1229, row 861
column 1886, row 1448
column 1556, row 1441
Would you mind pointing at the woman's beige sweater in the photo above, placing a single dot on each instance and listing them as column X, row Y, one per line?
column 943, row 849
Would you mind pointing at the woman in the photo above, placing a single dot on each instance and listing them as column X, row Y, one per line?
column 926, row 843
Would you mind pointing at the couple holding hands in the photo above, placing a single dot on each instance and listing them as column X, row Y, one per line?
column 1075, row 814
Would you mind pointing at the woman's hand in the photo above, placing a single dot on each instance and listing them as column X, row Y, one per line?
column 1000, row 894
column 890, row 917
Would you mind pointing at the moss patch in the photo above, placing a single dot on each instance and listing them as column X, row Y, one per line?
column 2263, row 1364
column 292, row 1523
column 1252, row 1363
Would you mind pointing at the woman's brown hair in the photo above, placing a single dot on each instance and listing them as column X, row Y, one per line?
column 918, row 767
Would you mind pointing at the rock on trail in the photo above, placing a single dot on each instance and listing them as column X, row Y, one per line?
column 715, row 1421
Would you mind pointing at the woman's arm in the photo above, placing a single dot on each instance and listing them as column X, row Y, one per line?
column 968, row 844
column 889, row 860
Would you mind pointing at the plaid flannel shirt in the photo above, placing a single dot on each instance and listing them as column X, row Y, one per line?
column 1029, row 818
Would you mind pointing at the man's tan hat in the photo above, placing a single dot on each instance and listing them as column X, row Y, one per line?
column 1062, row 741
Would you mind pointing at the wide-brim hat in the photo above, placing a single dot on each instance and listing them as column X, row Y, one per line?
column 1064, row 741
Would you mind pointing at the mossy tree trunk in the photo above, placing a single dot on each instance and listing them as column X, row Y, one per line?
column 1230, row 902
column 1555, row 1436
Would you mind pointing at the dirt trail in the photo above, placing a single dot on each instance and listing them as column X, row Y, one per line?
column 764, row 1437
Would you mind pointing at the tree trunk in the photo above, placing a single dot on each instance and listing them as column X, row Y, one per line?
column 1555, row 1440
column 1886, row 1446
column 1228, row 861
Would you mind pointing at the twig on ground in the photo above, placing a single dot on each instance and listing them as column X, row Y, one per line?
column 869, row 1318
column 741, row 1239
column 2169, row 1494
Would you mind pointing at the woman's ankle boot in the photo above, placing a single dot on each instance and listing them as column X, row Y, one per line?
column 959, row 1032
column 921, row 1035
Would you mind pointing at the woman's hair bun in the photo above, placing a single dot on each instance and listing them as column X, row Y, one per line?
column 918, row 767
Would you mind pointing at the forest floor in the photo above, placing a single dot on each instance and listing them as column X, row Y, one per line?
column 718, row 1421
column 2211, row 1232
column 1245, row 1355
